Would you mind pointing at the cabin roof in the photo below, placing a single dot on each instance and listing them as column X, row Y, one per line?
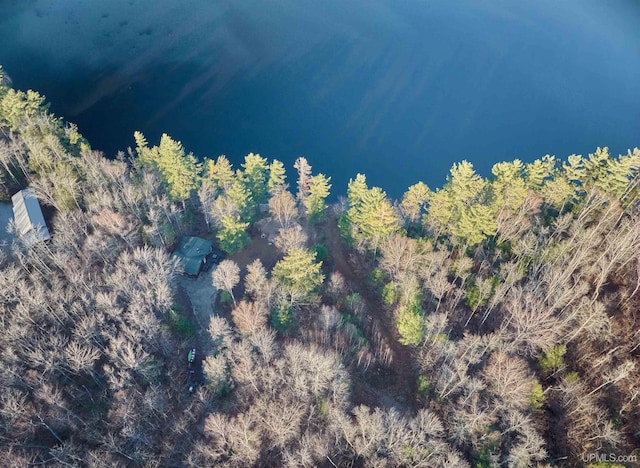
column 28, row 217
column 191, row 252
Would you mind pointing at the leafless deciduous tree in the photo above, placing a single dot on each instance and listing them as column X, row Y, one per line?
column 510, row 379
column 249, row 317
column 227, row 276
column 282, row 207
column 291, row 238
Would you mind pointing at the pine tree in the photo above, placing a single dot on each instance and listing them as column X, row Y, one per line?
column 558, row 191
column 231, row 234
column 238, row 194
column 314, row 203
column 621, row 172
column 277, row 177
column 463, row 184
column 16, row 106
column 475, row 223
column 220, row 172
column 539, row 171
column 441, row 211
column 508, row 188
column 356, row 189
column 460, row 205
column 414, row 201
column 574, row 169
column 298, row 271
column 371, row 217
column 596, row 169
column 179, row 171
column 255, row 176
column 145, row 154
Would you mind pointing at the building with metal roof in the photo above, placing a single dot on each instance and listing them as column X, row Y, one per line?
column 192, row 254
column 27, row 215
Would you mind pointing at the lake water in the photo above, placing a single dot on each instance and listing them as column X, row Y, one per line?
column 398, row 90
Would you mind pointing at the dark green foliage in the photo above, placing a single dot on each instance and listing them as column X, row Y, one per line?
column 422, row 387
column 282, row 318
column 376, row 276
column 321, row 252
column 225, row 298
column 181, row 325
column 353, row 301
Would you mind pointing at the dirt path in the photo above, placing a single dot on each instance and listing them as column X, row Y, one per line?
column 398, row 380
column 202, row 296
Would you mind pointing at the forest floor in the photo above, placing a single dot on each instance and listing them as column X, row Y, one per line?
column 202, row 296
column 384, row 385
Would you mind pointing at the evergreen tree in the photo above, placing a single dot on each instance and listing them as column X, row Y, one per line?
column 220, row 172
column 356, row 189
column 232, row 234
column 460, row 206
column 622, row 172
column 414, row 201
column 574, row 170
column 409, row 321
column 370, row 216
column 558, row 191
column 179, row 170
column 314, row 203
column 145, row 154
column 463, row 184
column 596, row 169
column 255, row 176
column 410, row 327
column 16, row 106
column 441, row 211
column 508, row 187
column 276, row 177
column 298, row 271
column 475, row 223
column 240, row 197
column 539, row 171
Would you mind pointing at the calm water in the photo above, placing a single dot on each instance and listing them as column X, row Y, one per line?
column 398, row 90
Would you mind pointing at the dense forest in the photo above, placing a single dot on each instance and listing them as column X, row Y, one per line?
column 489, row 322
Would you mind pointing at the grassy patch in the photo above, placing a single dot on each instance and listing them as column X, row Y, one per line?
column 181, row 325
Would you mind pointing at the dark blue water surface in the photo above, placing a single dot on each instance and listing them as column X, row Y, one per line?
column 398, row 90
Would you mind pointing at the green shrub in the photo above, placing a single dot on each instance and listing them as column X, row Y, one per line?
column 376, row 276
column 423, row 387
column 389, row 295
column 225, row 297
column 181, row 325
column 537, row 396
column 572, row 377
column 352, row 301
column 282, row 318
column 553, row 359
column 321, row 252
column 410, row 326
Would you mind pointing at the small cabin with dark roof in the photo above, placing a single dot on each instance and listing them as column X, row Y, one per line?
column 193, row 253
column 28, row 218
